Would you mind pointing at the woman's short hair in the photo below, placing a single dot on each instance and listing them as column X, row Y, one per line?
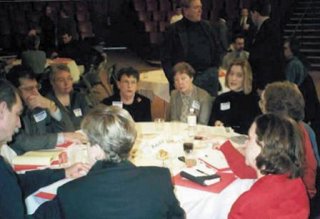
column 284, row 98
column 54, row 69
column 281, row 146
column 183, row 67
column 113, row 129
column 247, row 74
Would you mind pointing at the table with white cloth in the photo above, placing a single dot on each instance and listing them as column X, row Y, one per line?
column 170, row 137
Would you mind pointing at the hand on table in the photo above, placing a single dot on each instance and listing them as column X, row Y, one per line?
column 217, row 142
column 218, row 123
column 77, row 170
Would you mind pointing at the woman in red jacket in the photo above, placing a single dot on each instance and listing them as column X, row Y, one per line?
column 273, row 154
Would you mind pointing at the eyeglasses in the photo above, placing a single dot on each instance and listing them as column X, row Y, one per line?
column 31, row 88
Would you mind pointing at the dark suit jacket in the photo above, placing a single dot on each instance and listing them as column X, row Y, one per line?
column 175, row 46
column 266, row 55
column 16, row 187
column 42, row 134
column 120, row 191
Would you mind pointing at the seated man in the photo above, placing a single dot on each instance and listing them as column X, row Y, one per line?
column 16, row 187
column 114, row 186
column 238, row 52
column 42, row 120
column 137, row 105
column 72, row 103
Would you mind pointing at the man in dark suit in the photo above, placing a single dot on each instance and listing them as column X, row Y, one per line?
column 16, row 187
column 265, row 50
column 114, row 187
column 194, row 41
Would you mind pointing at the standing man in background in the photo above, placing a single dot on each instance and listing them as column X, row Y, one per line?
column 194, row 41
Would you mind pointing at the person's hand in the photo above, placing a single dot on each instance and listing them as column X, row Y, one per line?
column 77, row 137
column 77, row 170
column 218, row 123
column 40, row 101
column 217, row 142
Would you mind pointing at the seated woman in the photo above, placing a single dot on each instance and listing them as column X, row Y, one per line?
column 285, row 98
column 238, row 107
column 187, row 96
column 72, row 103
column 274, row 152
column 137, row 105
column 114, row 186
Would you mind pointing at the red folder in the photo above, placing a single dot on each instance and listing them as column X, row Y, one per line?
column 225, row 180
column 45, row 195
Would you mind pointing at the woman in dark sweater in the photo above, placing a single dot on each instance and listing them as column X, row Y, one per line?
column 238, row 107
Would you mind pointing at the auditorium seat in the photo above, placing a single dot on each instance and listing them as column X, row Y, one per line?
column 155, row 38
column 139, row 5
column 85, row 29
column 144, row 16
column 152, row 5
column 158, row 16
column 150, row 26
column 165, row 5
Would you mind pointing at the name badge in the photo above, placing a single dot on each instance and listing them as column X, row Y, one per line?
column 225, row 106
column 77, row 112
column 195, row 105
column 117, row 103
column 40, row 116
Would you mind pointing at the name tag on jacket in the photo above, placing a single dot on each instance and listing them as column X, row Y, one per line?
column 225, row 106
column 195, row 105
column 38, row 117
column 77, row 112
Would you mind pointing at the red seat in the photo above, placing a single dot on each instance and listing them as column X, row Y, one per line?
column 163, row 25
column 150, row 26
column 165, row 5
column 155, row 38
column 152, row 5
column 158, row 16
column 82, row 6
column 85, row 29
column 83, row 16
column 139, row 5
column 144, row 16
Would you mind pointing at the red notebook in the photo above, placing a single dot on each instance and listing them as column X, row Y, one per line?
column 45, row 195
column 225, row 180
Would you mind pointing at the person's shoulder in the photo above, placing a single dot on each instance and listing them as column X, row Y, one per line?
column 108, row 101
column 153, row 170
column 141, row 99
column 202, row 93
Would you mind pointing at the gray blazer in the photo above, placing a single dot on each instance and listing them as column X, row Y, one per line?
column 198, row 94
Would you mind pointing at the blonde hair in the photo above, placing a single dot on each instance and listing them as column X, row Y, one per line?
column 247, row 74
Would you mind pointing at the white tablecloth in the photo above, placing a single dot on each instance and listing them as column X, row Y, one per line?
column 154, row 83
column 170, row 137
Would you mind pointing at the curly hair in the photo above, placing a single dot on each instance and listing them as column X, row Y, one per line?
column 281, row 146
column 284, row 98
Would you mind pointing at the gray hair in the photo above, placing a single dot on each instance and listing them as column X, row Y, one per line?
column 113, row 129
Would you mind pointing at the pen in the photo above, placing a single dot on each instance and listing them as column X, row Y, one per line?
column 200, row 171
